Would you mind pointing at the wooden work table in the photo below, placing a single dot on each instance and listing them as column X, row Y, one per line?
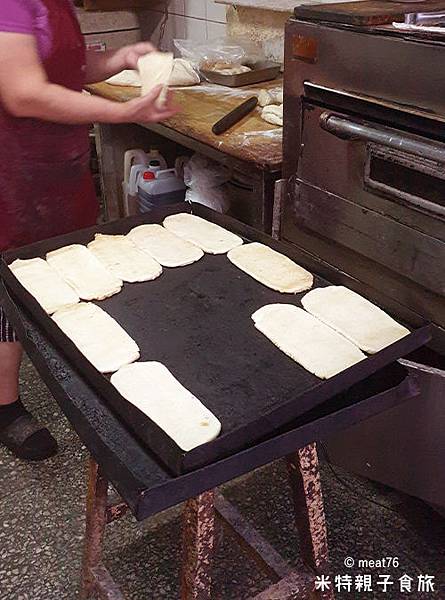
column 252, row 147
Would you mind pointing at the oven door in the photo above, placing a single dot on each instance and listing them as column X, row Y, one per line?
column 370, row 200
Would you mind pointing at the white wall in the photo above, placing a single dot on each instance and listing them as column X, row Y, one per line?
column 197, row 20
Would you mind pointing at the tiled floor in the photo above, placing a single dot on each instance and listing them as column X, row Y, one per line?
column 41, row 528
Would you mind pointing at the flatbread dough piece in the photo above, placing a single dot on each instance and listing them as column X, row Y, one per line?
column 183, row 74
column 154, row 390
column 312, row 344
column 273, row 114
column 271, row 268
column 155, row 68
column 165, row 247
column 80, row 269
column 369, row 327
column 235, row 70
column 271, row 96
column 123, row 259
column 126, row 78
column 98, row 336
column 208, row 236
column 44, row 283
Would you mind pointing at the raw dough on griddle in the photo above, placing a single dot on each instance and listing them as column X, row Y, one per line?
column 208, row 236
column 271, row 268
column 157, row 393
column 315, row 346
column 165, row 247
column 354, row 317
column 44, row 283
column 122, row 258
column 273, row 114
column 98, row 336
column 84, row 273
column 155, row 68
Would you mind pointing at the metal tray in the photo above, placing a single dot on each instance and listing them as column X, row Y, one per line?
column 261, row 71
column 197, row 321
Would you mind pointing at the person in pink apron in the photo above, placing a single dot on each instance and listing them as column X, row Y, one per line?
column 46, row 187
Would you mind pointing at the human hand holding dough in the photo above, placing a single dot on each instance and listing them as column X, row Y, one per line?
column 155, row 68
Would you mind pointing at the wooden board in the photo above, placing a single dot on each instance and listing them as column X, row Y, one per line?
column 374, row 12
column 252, row 139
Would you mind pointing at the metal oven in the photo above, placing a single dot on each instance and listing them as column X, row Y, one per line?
column 364, row 179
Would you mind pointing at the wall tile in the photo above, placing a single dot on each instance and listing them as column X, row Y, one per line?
column 215, row 30
column 195, row 9
column 216, row 12
column 177, row 7
column 195, row 29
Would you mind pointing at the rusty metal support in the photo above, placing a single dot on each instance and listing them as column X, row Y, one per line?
column 304, row 475
column 259, row 549
column 95, row 526
column 198, row 546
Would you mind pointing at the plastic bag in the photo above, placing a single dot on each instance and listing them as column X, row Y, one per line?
column 224, row 51
column 205, row 180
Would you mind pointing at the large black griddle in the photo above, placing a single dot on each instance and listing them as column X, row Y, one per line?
column 197, row 321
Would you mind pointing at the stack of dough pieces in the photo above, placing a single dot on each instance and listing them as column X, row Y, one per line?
column 44, row 283
column 208, row 236
column 98, row 336
column 315, row 346
column 80, row 269
column 353, row 316
column 166, row 248
column 271, row 268
column 154, row 390
column 121, row 257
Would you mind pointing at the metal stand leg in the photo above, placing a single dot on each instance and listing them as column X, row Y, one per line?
column 95, row 527
column 198, row 545
column 304, row 475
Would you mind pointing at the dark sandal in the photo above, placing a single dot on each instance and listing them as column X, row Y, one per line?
column 28, row 440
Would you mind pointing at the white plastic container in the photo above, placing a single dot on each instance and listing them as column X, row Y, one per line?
column 134, row 157
column 155, row 187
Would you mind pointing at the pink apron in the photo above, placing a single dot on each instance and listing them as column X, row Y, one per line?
column 46, row 187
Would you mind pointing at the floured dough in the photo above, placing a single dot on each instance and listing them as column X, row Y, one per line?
column 183, row 74
column 126, row 78
column 98, row 336
column 165, row 247
column 44, row 283
column 80, row 269
column 154, row 390
column 208, row 236
column 354, row 317
column 315, row 346
column 155, row 68
column 273, row 114
column 271, row 268
column 272, row 96
column 235, row 70
column 123, row 259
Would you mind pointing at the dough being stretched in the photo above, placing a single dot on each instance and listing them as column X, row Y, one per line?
column 312, row 344
column 166, row 248
column 183, row 74
column 98, row 336
column 80, row 269
column 271, row 268
column 208, row 236
column 122, row 258
column 273, row 114
column 157, row 393
column 365, row 324
column 44, row 283
column 155, row 68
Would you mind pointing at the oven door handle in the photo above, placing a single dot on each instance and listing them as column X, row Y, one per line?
column 383, row 136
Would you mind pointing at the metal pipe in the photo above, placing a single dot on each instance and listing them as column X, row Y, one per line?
column 385, row 136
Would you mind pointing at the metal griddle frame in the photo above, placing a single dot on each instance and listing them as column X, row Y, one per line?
column 227, row 444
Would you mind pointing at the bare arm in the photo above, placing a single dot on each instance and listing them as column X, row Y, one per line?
column 26, row 92
column 101, row 65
